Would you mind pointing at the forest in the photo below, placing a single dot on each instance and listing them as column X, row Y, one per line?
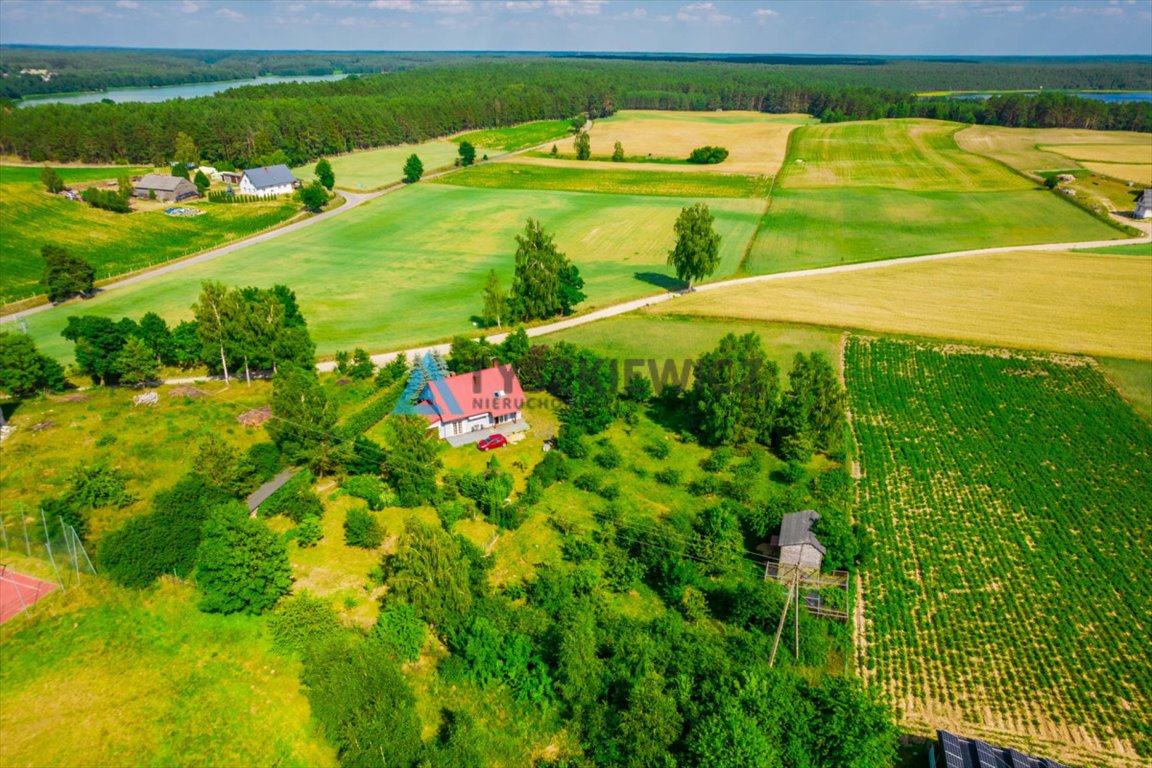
column 308, row 120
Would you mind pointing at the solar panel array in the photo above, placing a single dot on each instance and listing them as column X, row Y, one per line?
column 960, row 752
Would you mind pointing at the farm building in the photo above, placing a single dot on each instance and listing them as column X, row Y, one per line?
column 166, row 188
column 467, row 404
column 1144, row 205
column 797, row 544
column 268, row 180
column 953, row 751
column 208, row 171
column 231, row 177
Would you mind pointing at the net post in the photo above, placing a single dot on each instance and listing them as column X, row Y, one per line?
column 48, row 545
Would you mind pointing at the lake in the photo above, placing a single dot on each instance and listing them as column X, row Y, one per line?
column 1117, row 98
column 167, row 92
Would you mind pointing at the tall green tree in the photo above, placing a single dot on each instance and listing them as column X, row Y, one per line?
column 23, row 370
column 411, row 462
column 324, row 174
column 214, row 310
column 314, row 196
column 155, row 333
column 179, row 170
column 137, row 364
column 124, row 184
column 495, row 302
column 467, row 153
column 184, row 149
column 303, row 420
column 65, row 275
column 571, row 290
column 242, row 566
column 430, row 573
column 735, row 392
column 201, row 181
column 583, row 144
column 618, row 153
column 98, row 343
column 51, row 180
column 697, row 251
column 413, row 169
column 536, row 282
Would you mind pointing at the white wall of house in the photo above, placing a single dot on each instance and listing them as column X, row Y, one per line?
column 246, row 188
column 473, row 423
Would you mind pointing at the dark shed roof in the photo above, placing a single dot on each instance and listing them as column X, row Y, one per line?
column 162, row 183
column 796, row 529
column 959, row 752
column 261, row 494
column 270, row 176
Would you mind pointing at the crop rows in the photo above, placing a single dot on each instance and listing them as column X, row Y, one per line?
column 1008, row 592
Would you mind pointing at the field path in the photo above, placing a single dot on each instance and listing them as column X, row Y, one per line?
column 635, row 304
column 352, row 200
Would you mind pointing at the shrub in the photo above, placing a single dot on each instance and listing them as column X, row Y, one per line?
column 98, row 485
column 608, row 457
column 668, row 476
column 366, row 487
column 377, row 408
column 295, row 500
column 449, row 512
column 638, row 389
column 793, row 473
column 242, row 566
column 62, row 508
column 571, row 442
column 552, row 469
column 658, row 449
column 302, row 622
column 708, row 485
column 589, row 481
column 708, row 155
column 718, row 460
column 361, row 529
column 400, row 630
column 265, row 461
column 609, row 491
column 309, row 532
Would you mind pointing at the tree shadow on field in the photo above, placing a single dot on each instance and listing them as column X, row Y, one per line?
column 667, row 282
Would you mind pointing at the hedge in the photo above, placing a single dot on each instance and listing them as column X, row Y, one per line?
column 378, row 407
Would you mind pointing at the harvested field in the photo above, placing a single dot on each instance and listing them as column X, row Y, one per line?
column 1031, row 149
column 756, row 141
column 1006, row 495
column 1066, row 302
column 1138, row 153
column 1137, row 174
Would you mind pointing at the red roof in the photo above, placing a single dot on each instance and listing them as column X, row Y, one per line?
column 493, row 390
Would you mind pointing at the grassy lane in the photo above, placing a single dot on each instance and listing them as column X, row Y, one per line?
column 620, row 182
column 1067, row 302
column 409, row 267
column 113, row 243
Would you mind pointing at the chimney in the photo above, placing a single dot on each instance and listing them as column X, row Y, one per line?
column 476, row 381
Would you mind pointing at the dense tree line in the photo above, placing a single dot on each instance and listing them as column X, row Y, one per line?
column 309, row 120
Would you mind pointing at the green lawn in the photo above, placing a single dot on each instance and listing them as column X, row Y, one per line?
column 808, row 228
column 111, row 676
column 853, row 192
column 1134, row 380
column 623, row 182
column 1132, row 249
column 376, row 168
column 517, row 136
column 409, row 267
column 677, row 338
column 113, row 243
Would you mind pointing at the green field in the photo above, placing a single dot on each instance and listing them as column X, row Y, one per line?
column 1132, row 249
column 377, row 168
column 1006, row 597
column 517, row 136
column 113, row 243
column 854, row 192
column 1134, row 380
column 676, row 338
column 409, row 267
column 111, row 676
column 624, row 182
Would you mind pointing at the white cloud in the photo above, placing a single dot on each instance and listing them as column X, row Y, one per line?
column 702, row 12
column 522, row 6
column 762, row 14
column 393, row 5
column 129, row 4
column 190, row 6
column 576, row 7
column 230, row 14
column 447, row 6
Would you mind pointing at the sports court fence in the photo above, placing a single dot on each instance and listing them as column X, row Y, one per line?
column 53, row 541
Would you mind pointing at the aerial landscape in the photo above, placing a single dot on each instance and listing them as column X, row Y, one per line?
column 573, row 383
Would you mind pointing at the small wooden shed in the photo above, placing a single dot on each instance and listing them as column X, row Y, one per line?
column 797, row 544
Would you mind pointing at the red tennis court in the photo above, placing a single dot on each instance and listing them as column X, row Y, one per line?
column 18, row 591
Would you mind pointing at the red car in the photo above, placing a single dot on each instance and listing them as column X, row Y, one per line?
column 492, row 441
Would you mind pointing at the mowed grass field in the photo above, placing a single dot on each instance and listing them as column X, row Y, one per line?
column 376, row 168
column 113, row 243
column 1034, row 149
column 756, row 141
column 1065, row 302
column 517, row 136
column 1006, row 496
column 410, row 267
column 610, row 181
column 855, row 192
column 111, row 676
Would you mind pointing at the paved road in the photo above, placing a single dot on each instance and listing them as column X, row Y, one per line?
column 631, row 306
column 352, row 200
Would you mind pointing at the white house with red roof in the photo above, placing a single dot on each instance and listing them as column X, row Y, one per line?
column 471, row 402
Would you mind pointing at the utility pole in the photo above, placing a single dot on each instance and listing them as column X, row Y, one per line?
column 780, row 627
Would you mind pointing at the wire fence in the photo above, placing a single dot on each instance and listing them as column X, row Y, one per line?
column 49, row 539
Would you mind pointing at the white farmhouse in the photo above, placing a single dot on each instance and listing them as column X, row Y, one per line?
column 268, row 180
column 472, row 402
column 1144, row 205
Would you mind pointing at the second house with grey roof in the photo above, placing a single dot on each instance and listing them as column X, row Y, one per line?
column 268, row 180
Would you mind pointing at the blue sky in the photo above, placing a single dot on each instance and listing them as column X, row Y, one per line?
column 886, row 27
